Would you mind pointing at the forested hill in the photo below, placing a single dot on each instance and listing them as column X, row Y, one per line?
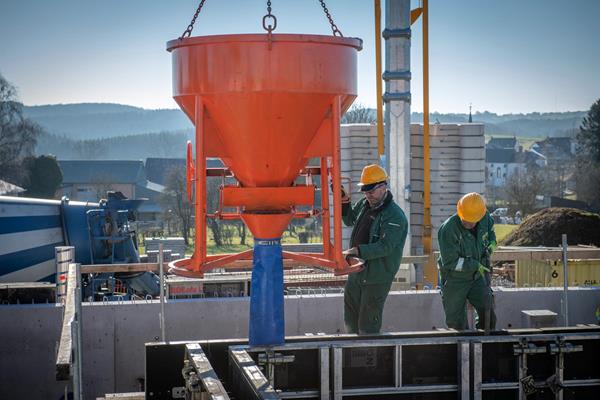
column 115, row 131
column 93, row 121
column 531, row 125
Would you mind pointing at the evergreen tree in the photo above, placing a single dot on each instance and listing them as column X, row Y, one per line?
column 588, row 158
column 43, row 176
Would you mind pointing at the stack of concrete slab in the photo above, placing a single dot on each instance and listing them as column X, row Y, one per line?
column 457, row 166
column 358, row 148
column 176, row 245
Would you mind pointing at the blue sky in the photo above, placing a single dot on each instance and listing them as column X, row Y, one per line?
column 500, row 55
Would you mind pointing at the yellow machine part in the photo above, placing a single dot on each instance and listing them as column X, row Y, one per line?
column 550, row 273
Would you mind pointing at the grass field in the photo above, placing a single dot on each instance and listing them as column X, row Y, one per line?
column 502, row 230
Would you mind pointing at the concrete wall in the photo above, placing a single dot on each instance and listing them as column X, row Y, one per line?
column 114, row 334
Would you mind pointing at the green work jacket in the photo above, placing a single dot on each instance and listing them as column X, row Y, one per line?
column 460, row 250
column 387, row 235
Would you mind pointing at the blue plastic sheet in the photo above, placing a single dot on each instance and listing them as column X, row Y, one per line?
column 267, row 323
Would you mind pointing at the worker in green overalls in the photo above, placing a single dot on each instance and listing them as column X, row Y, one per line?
column 467, row 240
column 378, row 237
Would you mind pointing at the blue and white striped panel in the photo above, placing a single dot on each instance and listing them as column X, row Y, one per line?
column 29, row 231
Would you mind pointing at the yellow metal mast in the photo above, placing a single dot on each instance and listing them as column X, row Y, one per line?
column 430, row 273
column 380, row 139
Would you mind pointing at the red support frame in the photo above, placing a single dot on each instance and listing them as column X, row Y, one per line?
column 331, row 258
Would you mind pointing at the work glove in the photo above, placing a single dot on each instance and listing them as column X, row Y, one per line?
column 492, row 247
column 482, row 270
column 345, row 197
column 351, row 252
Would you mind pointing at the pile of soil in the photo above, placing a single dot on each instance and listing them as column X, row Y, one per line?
column 545, row 228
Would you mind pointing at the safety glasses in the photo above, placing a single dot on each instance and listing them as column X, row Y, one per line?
column 374, row 189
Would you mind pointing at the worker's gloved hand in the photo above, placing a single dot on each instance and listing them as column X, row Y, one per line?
column 482, row 270
column 351, row 252
column 492, row 247
column 345, row 196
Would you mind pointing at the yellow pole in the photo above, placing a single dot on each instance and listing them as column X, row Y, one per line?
column 430, row 272
column 380, row 142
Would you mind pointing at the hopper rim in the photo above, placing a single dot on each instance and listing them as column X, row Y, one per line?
column 261, row 37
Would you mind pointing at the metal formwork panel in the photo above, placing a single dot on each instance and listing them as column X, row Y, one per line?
column 544, row 366
column 360, row 369
column 551, row 363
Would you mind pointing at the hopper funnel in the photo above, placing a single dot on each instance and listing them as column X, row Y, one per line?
column 265, row 105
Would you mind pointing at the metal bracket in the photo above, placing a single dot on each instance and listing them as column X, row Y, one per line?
column 528, row 385
column 396, row 75
column 178, row 392
column 402, row 96
column 396, row 33
column 527, row 348
column 270, row 359
column 564, row 347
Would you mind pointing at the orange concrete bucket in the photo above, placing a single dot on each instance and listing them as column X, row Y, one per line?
column 264, row 106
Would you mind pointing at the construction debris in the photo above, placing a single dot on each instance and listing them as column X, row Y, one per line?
column 545, row 228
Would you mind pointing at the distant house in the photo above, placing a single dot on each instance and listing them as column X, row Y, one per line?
column 556, row 148
column 502, row 144
column 502, row 163
column 157, row 169
column 8, row 189
column 89, row 180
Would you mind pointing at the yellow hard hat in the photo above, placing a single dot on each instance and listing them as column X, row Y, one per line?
column 471, row 207
column 371, row 175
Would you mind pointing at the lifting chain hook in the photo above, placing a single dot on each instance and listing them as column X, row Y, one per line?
column 267, row 25
column 334, row 28
column 188, row 30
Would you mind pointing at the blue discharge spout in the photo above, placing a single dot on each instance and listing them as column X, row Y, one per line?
column 267, row 323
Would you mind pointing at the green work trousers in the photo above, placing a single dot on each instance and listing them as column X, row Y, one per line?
column 363, row 306
column 457, row 288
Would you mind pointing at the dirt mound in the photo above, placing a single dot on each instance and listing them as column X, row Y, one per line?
column 545, row 228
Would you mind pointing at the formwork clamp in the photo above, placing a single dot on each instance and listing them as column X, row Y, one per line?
column 525, row 347
column 564, row 347
column 270, row 359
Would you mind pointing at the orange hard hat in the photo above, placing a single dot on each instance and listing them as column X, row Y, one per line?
column 471, row 207
column 371, row 175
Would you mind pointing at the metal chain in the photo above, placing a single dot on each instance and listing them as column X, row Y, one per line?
column 334, row 28
column 188, row 31
column 269, row 27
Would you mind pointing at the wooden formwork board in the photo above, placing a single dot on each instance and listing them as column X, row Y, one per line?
column 358, row 130
column 445, row 129
column 475, row 153
column 436, row 198
column 448, row 164
column 449, row 175
column 456, row 140
column 358, row 141
column 449, row 187
column 439, row 210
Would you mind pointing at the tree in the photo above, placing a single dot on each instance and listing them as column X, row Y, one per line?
column 359, row 114
column 522, row 188
column 43, row 176
column 175, row 199
column 587, row 169
column 102, row 183
column 91, row 149
column 588, row 137
column 18, row 135
column 212, row 204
